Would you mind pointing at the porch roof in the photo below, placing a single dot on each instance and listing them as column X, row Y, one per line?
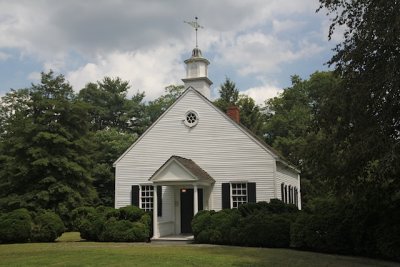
column 179, row 170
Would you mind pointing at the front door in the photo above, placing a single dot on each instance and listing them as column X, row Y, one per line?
column 186, row 210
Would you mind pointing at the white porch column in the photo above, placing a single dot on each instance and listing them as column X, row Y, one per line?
column 156, row 234
column 195, row 200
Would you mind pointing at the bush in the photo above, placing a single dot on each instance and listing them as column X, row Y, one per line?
column 128, row 224
column 88, row 221
column 265, row 230
column 130, row 213
column 325, row 229
column 252, row 224
column 275, row 206
column 123, row 231
column 15, row 226
column 47, row 227
column 201, row 222
column 388, row 232
column 81, row 216
column 215, row 227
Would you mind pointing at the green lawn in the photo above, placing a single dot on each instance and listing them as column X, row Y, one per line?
column 69, row 252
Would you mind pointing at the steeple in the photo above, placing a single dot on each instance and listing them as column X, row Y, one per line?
column 196, row 68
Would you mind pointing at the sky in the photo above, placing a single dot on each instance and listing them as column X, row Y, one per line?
column 258, row 44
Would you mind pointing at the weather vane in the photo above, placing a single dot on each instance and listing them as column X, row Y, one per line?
column 196, row 26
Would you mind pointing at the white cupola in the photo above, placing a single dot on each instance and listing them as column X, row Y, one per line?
column 196, row 68
column 196, row 73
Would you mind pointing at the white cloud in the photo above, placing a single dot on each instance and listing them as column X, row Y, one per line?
column 255, row 53
column 34, row 76
column 286, row 25
column 144, row 41
column 262, row 93
column 148, row 71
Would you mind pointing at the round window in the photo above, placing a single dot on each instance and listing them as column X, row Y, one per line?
column 191, row 118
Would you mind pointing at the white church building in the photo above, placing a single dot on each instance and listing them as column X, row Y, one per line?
column 196, row 157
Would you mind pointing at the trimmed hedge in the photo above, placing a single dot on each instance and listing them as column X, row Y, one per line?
column 265, row 230
column 47, row 227
column 349, row 227
column 325, row 230
column 253, row 224
column 18, row 227
column 127, row 224
column 15, row 226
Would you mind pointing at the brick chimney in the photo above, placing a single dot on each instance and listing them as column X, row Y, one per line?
column 233, row 113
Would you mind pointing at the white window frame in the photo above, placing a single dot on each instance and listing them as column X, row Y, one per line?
column 236, row 203
column 191, row 124
column 147, row 198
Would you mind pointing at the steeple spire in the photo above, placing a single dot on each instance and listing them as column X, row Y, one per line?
column 196, row 68
column 196, row 26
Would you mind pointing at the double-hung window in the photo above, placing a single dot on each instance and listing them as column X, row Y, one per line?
column 238, row 194
column 146, row 197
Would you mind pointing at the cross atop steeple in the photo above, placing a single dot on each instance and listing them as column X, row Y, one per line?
column 195, row 25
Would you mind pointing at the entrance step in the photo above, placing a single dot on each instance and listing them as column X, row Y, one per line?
column 174, row 239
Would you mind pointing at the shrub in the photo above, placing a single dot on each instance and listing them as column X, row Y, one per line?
column 123, row 231
column 115, row 225
column 265, row 230
column 325, row 229
column 47, row 227
column 87, row 220
column 201, row 222
column 275, row 206
column 215, row 227
column 130, row 213
column 388, row 232
column 81, row 216
column 15, row 226
column 252, row 224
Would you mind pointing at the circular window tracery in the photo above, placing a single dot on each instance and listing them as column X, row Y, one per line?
column 191, row 118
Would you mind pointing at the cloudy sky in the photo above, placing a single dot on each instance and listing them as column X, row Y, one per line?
column 258, row 44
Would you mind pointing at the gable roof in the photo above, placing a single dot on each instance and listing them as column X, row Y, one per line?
column 241, row 127
column 187, row 165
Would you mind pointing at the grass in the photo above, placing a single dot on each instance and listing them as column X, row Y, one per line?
column 68, row 251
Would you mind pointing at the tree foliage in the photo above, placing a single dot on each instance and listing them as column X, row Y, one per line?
column 228, row 95
column 251, row 114
column 108, row 144
column 110, row 107
column 158, row 106
column 44, row 149
column 368, row 61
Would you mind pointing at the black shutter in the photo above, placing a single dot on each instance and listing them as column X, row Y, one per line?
column 286, row 194
column 159, row 200
column 251, row 193
column 200, row 198
column 282, row 192
column 226, row 196
column 135, row 196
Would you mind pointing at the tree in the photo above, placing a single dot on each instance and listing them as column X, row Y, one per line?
column 368, row 61
column 109, row 144
column 228, row 95
column 110, row 107
column 251, row 115
column 44, row 149
column 157, row 107
column 302, row 125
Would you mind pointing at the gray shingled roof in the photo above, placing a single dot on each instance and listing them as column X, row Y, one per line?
column 191, row 166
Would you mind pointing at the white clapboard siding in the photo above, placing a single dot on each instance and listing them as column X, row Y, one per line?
column 287, row 176
column 216, row 144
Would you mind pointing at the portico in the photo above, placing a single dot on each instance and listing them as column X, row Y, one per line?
column 189, row 190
